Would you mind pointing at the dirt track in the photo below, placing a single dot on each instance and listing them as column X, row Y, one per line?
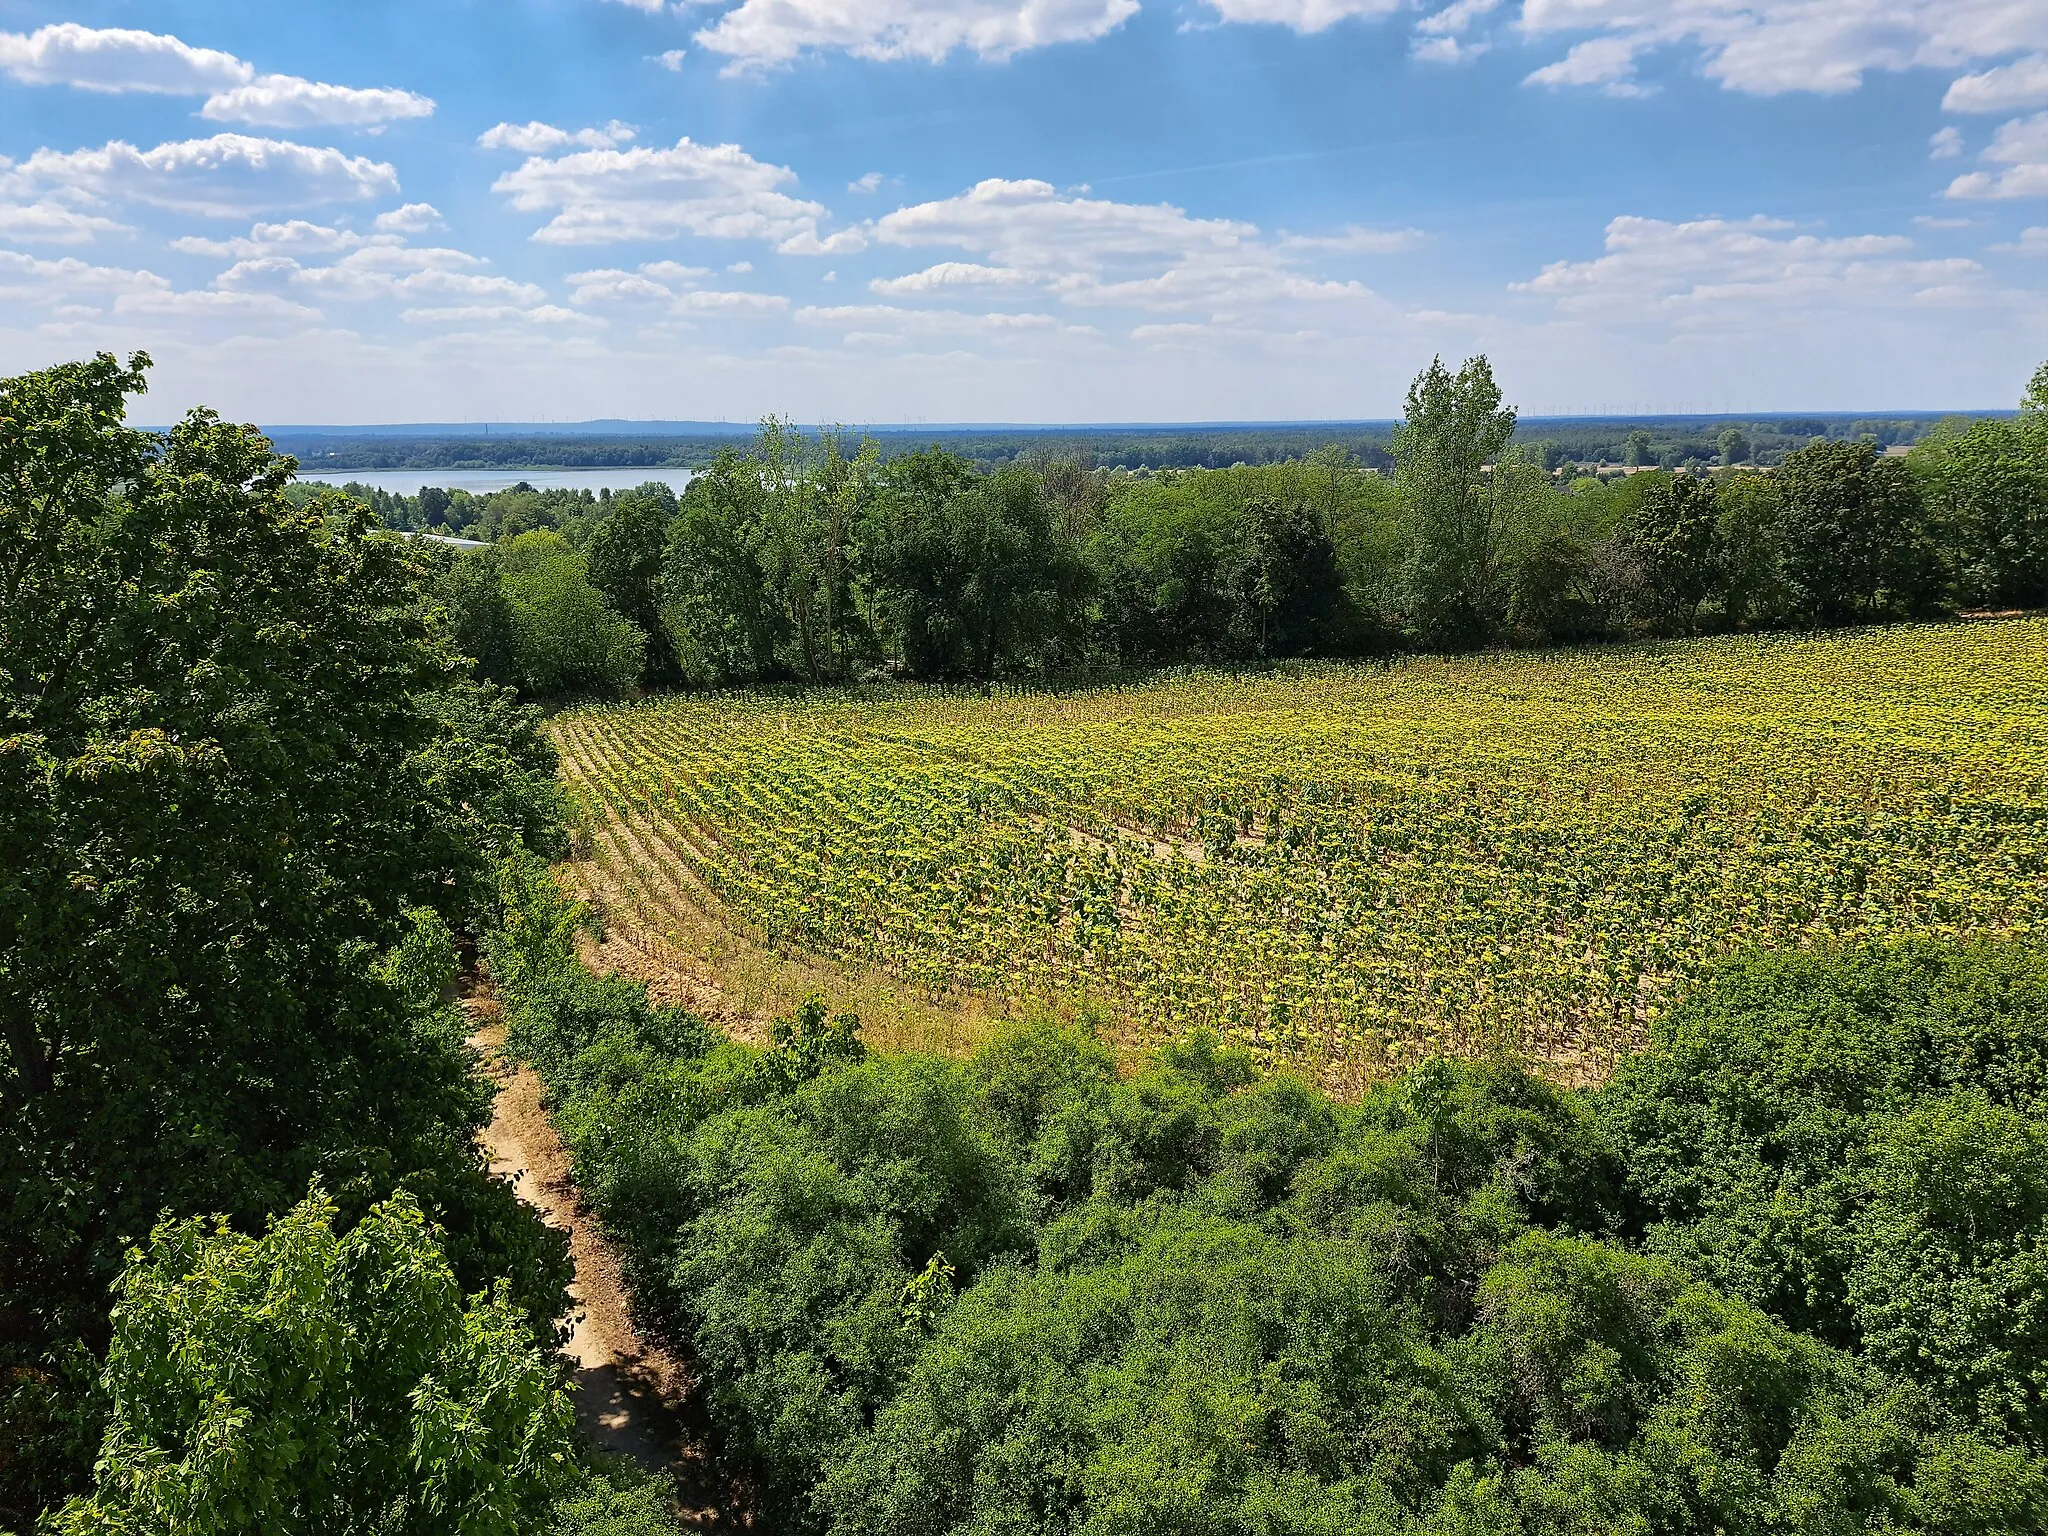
column 632, row 1398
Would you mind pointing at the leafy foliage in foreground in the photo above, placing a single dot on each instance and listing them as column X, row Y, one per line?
column 316, row 1383
column 1022, row 1294
column 247, row 793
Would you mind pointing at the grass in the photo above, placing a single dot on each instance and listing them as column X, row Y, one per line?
column 1347, row 867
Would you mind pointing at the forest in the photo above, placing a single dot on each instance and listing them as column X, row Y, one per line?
column 817, row 560
column 269, row 800
column 1670, row 442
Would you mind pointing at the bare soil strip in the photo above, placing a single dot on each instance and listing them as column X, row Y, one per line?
column 633, row 1398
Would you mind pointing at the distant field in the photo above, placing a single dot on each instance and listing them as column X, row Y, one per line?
column 1351, row 866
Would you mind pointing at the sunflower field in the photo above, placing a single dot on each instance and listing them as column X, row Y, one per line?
column 1353, row 867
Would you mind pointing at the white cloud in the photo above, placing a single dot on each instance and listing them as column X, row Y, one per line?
column 383, row 271
column 118, row 59
column 2010, row 87
column 26, row 277
column 889, row 320
column 2032, row 242
column 202, row 303
column 871, row 182
column 758, row 33
column 601, row 196
column 738, row 304
column 1722, row 272
column 498, row 314
column 294, row 236
column 1441, row 36
column 1609, row 62
column 1356, row 240
column 673, row 287
column 610, row 285
column 2022, row 147
column 946, row 276
column 1945, row 144
column 1301, row 15
column 546, row 139
column 1770, row 46
column 806, row 242
column 220, row 177
column 286, row 101
column 1094, row 252
column 412, row 219
column 48, row 223
column 672, row 61
column 125, row 297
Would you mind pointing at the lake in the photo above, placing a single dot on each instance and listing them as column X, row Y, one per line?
column 477, row 481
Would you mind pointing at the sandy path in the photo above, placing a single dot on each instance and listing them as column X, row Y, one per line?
column 632, row 1398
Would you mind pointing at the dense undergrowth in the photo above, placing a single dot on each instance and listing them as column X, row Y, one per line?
column 1786, row 1271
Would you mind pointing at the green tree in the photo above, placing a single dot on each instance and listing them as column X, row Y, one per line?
column 1673, row 540
column 479, row 616
column 1733, row 446
column 1455, row 427
column 1638, row 449
column 1989, row 488
column 625, row 555
column 966, row 566
column 1751, row 577
column 1852, row 534
column 232, row 760
column 565, row 637
column 315, row 1383
column 1286, row 595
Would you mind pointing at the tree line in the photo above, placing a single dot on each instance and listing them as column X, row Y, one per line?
column 814, row 560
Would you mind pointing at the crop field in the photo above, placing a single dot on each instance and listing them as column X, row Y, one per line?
column 1351, row 867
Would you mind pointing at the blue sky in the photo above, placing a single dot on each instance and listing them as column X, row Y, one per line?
column 1027, row 210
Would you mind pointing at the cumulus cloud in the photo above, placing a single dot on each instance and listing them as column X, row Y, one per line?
column 2022, row 147
column 226, row 176
column 286, row 101
column 1723, row 271
column 1945, row 144
column 887, row 321
column 672, row 61
column 292, row 237
column 1301, row 15
column 1095, row 252
column 672, row 287
column 382, row 271
column 118, row 59
column 871, row 182
column 1608, row 62
column 807, row 242
column 497, row 314
column 412, row 219
column 601, row 196
column 951, row 276
column 84, row 290
column 546, row 139
column 759, row 33
column 48, row 223
column 1766, row 47
column 2008, row 88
